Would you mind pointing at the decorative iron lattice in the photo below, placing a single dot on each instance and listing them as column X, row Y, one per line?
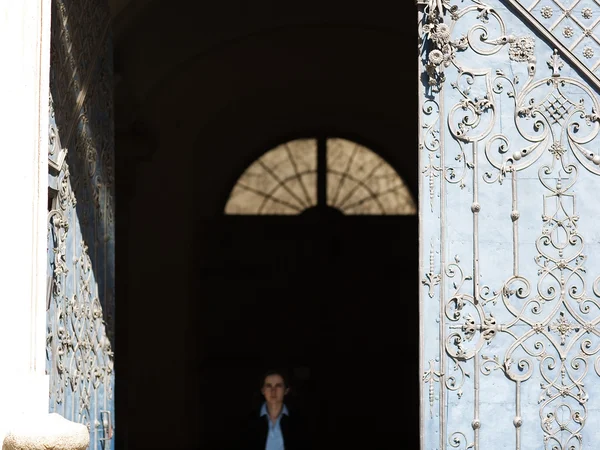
column 81, row 219
column 574, row 23
column 509, row 135
column 79, row 351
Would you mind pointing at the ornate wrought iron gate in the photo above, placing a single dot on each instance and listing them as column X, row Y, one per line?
column 80, row 358
column 80, row 220
column 509, row 151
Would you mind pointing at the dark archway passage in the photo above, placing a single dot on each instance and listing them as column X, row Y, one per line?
column 203, row 89
column 335, row 295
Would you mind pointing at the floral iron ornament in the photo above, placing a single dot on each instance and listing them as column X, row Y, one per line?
column 505, row 116
column 437, row 48
column 436, row 7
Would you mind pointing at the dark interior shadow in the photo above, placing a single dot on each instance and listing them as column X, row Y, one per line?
column 332, row 299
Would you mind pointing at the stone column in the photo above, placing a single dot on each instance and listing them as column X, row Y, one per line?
column 24, row 92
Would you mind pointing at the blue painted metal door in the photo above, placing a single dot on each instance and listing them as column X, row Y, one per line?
column 510, row 302
column 79, row 351
column 80, row 300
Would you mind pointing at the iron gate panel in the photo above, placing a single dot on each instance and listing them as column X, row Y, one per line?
column 80, row 338
column 510, row 300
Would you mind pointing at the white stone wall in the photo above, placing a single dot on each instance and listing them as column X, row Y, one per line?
column 24, row 43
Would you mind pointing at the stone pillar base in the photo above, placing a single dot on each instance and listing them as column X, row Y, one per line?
column 47, row 432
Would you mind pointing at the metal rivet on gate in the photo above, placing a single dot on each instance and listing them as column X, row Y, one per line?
column 517, row 421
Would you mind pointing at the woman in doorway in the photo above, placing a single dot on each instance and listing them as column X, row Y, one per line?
column 274, row 427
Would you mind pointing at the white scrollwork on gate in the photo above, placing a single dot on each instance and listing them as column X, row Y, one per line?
column 80, row 358
column 504, row 114
column 80, row 299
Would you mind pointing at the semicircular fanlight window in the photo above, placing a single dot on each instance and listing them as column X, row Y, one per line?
column 284, row 182
column 361, row 182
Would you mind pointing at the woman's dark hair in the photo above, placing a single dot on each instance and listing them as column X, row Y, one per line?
column 281, row 373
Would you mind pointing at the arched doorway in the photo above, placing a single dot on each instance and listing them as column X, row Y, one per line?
column 313, row 268
column 225, row 83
